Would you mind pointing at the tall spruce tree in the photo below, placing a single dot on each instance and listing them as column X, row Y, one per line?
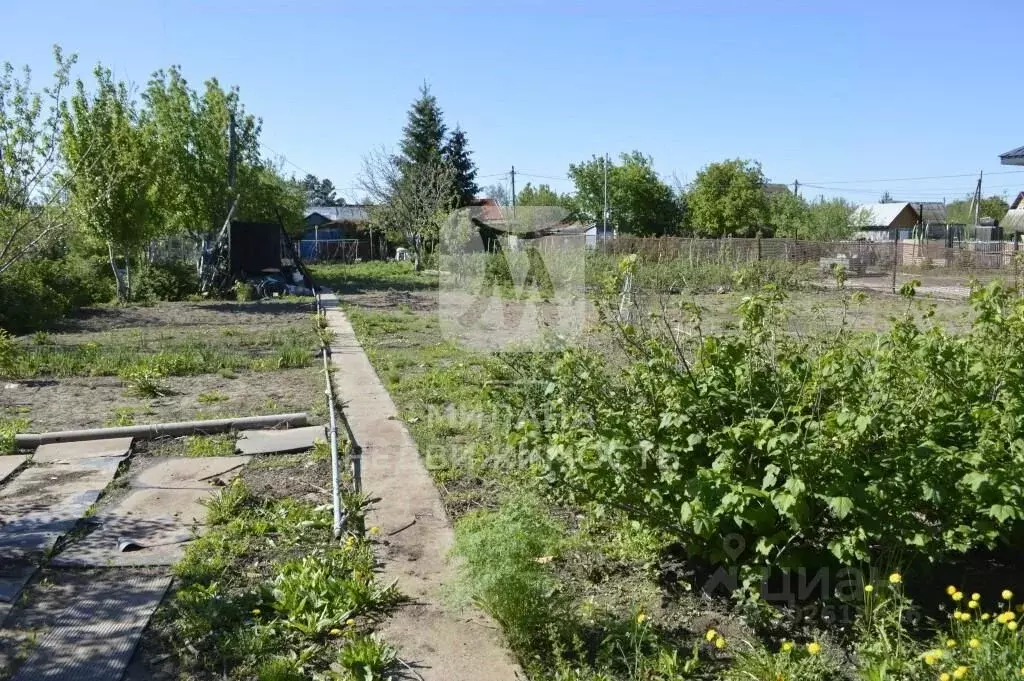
column 424, row 134
column 456, row 153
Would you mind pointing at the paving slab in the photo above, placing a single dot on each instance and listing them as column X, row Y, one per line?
column 90, row 449
column 163, row 511
column 9, row 464
column 96, row 635
column 45, row 502
column 279, row 441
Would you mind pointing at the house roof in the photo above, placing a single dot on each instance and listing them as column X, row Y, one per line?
column 1017, row 201
column 879, row 214
column 487, row 210
column 353, row 213
column 930, row 211
column 1014, row 157
column 1014, row 220
column 775, row 188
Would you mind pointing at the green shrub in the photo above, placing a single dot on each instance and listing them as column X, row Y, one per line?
column 244, row 291
column 165, row 281
column 506, row 571
column 765, row 450
column 37, row 293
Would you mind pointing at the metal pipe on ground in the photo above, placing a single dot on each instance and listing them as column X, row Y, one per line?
column 33, row 440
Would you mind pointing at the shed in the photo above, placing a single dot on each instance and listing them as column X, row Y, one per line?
column 1013, row 222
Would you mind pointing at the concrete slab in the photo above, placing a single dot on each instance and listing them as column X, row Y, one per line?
column 445, row 646
column 72, row 451
column 205, row 473
column 163, row 512
column 96, row 635
column 279, row 441
column 44, row 502
column 9, row 464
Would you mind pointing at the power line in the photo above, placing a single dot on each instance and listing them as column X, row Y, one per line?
column 913, row 179
column 285, row 158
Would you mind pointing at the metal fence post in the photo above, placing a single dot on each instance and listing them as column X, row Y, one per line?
column 895, row 255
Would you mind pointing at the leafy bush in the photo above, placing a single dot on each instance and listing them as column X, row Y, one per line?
column 173, row 280
column 504, row 570
column 37, row 293
column 365, row 658
column 764, row 450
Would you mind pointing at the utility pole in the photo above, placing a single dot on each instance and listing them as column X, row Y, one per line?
column 796, row 187
column 604, row 218
column 513, row 191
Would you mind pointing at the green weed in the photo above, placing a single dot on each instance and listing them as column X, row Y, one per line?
column 144, row 382
column 210, row 445
column 365, row 658
column 212, row 397
column 227, row 504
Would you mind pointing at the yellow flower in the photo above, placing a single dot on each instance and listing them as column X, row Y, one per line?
column 1012, row 626
column 966, row 617
column 641, row 618
column 350, row 622
column 958, row 596
column 711, row 635
column 813, row 648
column 972, row 604
column 868, row 588
column 960, row 672
column 719, row 642
column 787, row 646
column 974, row 643
column 929, row 659
column 950, row 590
column 255, row 611
column 374, row 530
column 1010, row 616
column 895, row 578
column 335, row 632
column 985, row 617
column 1007, row 595
column 1001, row 618
column 975, row 596
column 950, row 643
column 944, row 676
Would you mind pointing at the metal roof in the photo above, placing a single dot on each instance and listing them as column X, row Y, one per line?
column 1014, row 157
column 879, row 214
column 1014, row 220
column 355, row 213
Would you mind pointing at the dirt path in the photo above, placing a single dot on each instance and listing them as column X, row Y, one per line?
column 441, row 644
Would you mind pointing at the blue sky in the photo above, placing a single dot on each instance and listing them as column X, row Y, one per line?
column 841, row 95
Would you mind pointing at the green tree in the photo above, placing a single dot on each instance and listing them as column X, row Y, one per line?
column 541, row 195
column 458, row 156
column 960, row 211
column 111, row 194
column 424, row 134
column 498, row 193
column 829, row 219
column 728, row 199
column 32, row 212
column 788, row 215
column 639, row 202
column 320, row 192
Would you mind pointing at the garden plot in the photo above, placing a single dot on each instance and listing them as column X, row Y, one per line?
column 169, row 362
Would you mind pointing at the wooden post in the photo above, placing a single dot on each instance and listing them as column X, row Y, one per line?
column 895, row 255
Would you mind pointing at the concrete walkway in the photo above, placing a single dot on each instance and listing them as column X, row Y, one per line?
column 442, row 645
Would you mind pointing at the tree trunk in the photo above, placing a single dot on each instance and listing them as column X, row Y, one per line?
column 118, row 277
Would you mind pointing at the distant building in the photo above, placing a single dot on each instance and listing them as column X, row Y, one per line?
column 339, row 233
column 880, row 221
column 1014, row 157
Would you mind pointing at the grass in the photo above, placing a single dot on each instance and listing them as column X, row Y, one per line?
column 265, row 594
column 373, row 276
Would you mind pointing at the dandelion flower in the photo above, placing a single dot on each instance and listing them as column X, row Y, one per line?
column 1012, row 626
column 975, row 596
column 950, row 590
column 787, row 646
column 930, row 659
column 973, row 605
column 966, row 617
column 960, row 672
column 950, row 643
column 335, row 632
column 350, row 622
column 985, row 617
column 256, row 611
column 958, row 596
column 868, row 588
column 1007, row 595
column 974, row 643
column 944, row 676
column 711, row 635
column 895, row 578
column 641, row 618
column 813, row 648
column 720, row 643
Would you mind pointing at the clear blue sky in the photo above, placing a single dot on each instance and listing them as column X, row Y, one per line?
column 817, row 92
